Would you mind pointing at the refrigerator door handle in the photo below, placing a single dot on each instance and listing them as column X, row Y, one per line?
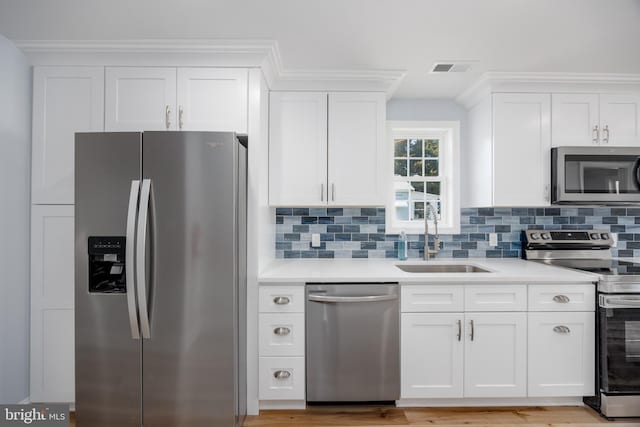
column 141, row 256
column 130, row 259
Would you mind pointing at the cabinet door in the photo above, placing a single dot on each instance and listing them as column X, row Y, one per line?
column 52, row 315
column 574, row 119
column 139, row 99
column 561, row 354
column 66, row 100
column 356, row 147
column 212, row 99
column 522, row 149
column 298, row 149
column 620, row 119
column 495, row 363
column 431, row 355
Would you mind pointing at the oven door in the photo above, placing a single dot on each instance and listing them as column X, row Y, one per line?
column 595, row 174
column 619, row 343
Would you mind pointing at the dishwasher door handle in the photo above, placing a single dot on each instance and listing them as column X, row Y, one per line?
column 369, row 298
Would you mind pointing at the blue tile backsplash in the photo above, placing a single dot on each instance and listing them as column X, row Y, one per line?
column 360, row 232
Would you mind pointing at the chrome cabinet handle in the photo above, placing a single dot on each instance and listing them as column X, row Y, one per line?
column 605, row 134
column 459, row 330
column 322, row 192
column 167, row 117
column 180, row 115
column 130, row 246
column 333, row 192
column 595, row 133
column 472, row 330
column 281, row 375
column 281, row 300
column 141, row 255
column 561, row 329
column 562, row 299
column 281, row 331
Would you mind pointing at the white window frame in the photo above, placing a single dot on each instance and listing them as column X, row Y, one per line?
column 449, row 152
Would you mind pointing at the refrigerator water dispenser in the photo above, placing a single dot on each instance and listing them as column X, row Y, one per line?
column 107, row 265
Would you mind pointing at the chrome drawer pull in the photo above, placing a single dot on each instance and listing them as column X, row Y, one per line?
column 282, row 331
column 281, row 300
column 281, row 375
column 563, row 299
column 561, row 329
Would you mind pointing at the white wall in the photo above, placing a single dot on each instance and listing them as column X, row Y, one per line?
column 15, row 171
column 435, row 109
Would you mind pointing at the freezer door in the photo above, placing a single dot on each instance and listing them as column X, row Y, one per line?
column 108, row 356
column 189, row 368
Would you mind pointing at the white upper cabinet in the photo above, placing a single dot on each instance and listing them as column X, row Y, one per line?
column 298, row 148
column 212, row 99
column 324, row 149
column 139, row 99
column 587, row 119
column 575, row 119
column 66, row 100
column 521, row 149
column 620, row 119
column 356, row 142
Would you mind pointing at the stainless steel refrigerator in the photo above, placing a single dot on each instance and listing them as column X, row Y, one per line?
column 160, row 262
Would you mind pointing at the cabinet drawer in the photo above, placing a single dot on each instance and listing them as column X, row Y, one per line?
column 281, row 378
column 281, row 334
column 428, row 298
column 562, row 297
column 281, row 299
column 495, row 298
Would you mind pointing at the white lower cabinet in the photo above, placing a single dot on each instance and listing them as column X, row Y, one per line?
column 431, row 355
column 489, row 346
column 52, row 313
column 561, row 354
column 495, row 359
column 281, row 332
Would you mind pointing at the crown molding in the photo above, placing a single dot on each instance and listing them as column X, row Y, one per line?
column 494, row 81
column 263, row 54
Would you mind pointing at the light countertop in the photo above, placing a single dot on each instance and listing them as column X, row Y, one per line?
column 384, row 270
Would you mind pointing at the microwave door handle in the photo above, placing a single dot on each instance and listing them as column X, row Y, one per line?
column 636, row 173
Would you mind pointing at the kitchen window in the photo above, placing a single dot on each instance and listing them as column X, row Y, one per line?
column 424, row 158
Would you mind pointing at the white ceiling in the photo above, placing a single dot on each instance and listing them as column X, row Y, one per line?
column 595, row 36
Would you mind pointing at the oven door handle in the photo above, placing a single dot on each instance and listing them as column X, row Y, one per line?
column 626, row 301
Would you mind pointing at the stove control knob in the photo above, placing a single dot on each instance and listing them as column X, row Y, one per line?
column 605, row 236
column 546, row 236
column 535, row 236
column 595, row 236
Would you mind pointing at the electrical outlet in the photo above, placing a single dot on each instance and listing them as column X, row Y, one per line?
column 614, row 237
column 493, row 239
column 315, row 240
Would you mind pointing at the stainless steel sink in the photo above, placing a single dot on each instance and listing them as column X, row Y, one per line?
column 441, row 268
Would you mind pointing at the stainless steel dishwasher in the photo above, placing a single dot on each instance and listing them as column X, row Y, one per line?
column 353, row 342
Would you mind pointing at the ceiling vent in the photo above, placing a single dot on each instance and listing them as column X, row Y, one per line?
column 442, row 67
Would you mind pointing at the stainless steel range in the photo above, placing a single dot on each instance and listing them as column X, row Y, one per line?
column 617, row 311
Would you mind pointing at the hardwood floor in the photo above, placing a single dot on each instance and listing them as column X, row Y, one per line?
column 376, row 416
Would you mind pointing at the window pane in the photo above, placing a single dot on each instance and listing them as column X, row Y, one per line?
column 418, row 210
column 415, row 167
column 418, row 190
column 431, row 168
column 402, row 205
column 437, row 206
column 400, row 167
column 415, row 148
column 402, row 195
column 400, row 147
column 431, row 148
column 433, row 189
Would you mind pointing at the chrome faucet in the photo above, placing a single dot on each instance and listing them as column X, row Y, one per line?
column 428, row 209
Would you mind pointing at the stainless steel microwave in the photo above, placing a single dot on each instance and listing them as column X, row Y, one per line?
column 595, row 175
